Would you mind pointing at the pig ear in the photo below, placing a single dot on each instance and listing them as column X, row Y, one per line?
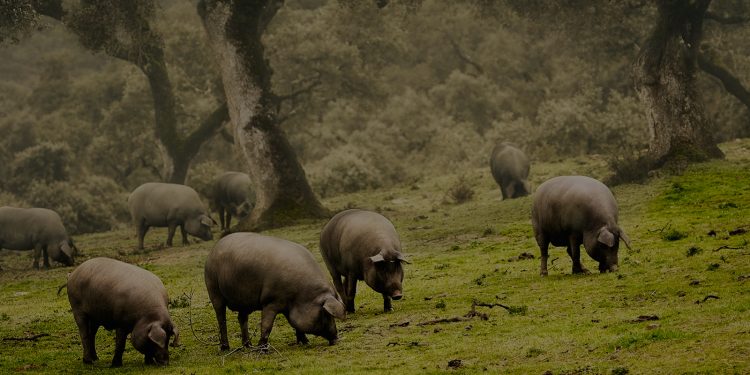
column 157, row 335
column 65, row 248
column 176, row 340
column 207, row 220
column 606, row 237
column 625, row 239
column 377, row 258
column 401, row 258
column 334, row 307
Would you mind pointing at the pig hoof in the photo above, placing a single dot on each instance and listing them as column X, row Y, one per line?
column 224, row 348
column 116, row 364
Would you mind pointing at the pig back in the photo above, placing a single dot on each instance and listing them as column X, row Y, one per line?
column 23, row 228
column 508, row 162
column 114, row 293
column 159, row 203
column 353, row 235
column 249, row 270
column 232, row 187
column 568, row 204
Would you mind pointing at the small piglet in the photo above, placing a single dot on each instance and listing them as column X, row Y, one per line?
column 120, row 296
column 39, row 229
column 156, row 204
column 574, row 210
column 363, row 245
column 246, row 272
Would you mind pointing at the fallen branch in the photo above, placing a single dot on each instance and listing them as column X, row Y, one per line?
column 444, row 320
column 667, row 225
column 27, row 338
column 727, row 247
column 513, row 310
column 708, row 297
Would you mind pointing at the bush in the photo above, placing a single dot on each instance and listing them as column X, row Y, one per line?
column 461, row 191
column 344, row 170
column 94, row 205
column 44, row 163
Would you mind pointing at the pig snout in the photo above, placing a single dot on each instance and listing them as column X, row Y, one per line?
column 333, row 341
column 604, row 268
column 396, row 295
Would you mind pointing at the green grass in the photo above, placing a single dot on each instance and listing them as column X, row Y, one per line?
column 566, row 324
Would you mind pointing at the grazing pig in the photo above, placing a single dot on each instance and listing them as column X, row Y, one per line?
column 363, row 245
column 246, row 272
column 156, row 204
column 232, row 195
column 120, row 296
column 510, row 168
column 574, row 210
column 39, row 229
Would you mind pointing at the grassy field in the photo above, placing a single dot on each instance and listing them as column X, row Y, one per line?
column 679, row 304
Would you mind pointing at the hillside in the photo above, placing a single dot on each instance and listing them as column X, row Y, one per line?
column 656, row 315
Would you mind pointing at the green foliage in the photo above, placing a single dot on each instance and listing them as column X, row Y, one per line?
column 44, row 163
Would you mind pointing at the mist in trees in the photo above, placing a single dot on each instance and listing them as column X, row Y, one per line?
column 105, row 95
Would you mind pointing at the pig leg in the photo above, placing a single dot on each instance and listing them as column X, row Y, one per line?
column 267, row 316
column 121, row 336
column 351, row 291
column 242, row 318
column 88, row 332
column 574, row 250
column 141, row 232
column 221, row 217
column 387, row 303
column 337, row 283
column 170, row 233
column 37, row 255
column 184, row 235
column 544, row 251
column 221, row 318
column 45, row 256
column 301, row 338
column 229, row 219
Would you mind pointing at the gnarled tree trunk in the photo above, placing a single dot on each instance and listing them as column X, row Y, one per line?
column 665, row 80
column 283, row 194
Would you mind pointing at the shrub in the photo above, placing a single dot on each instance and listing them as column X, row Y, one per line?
column 45, row 163
column 344, row 170
column 461, row 191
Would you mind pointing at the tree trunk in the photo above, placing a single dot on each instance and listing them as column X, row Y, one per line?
column 283, row 194
column 664, row 76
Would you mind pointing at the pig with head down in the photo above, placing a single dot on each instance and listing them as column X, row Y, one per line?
column 247, row 272
column 156, row 204
column 572, row 211
column 232, row 195
column 115, row 295
column 510, row 169
column 363, row 245
column 39, row 229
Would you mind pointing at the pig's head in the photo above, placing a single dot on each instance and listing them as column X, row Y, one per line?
column 63, row 252
column 603, row 246
column 200, row 226
column 152, row 340
column 384, row 274
column 317, row 317
column 519, row 189
column 244, row 209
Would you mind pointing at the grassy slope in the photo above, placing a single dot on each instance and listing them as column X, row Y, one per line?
column 573, row 324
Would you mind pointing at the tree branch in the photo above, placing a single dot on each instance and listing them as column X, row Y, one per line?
column 462, row 56
column 727, row 19
column 210, row 124
column 730, row 82
column 269, row 11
